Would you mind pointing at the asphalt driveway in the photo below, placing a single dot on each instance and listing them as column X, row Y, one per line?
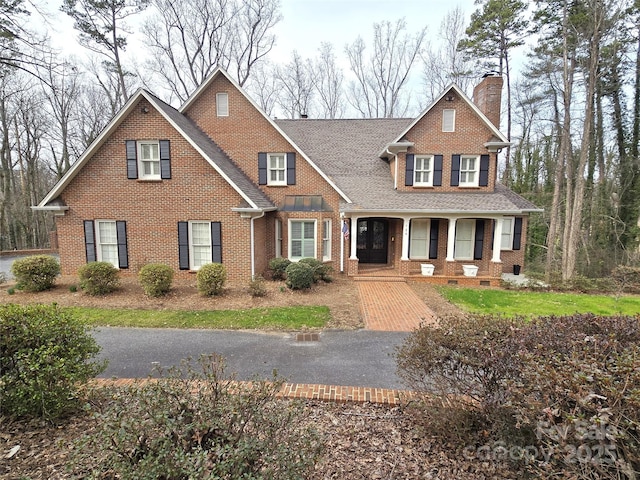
column 358, row 358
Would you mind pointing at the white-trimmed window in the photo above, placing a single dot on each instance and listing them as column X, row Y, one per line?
column 506, row 241
column 222, row 104
column 423, row 171
column 199, row 244
column 107, row 242
column 326, row 240
column 277, row 169
column 278, row 237
column 149, row 159
column 419, row 239
column 465, row 235
column 469, row 170
column 302, row 239
column 448, row 120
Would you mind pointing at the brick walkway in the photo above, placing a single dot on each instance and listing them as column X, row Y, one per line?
column 392, row 306
column 327, row 393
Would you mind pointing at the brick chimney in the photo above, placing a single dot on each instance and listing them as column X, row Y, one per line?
column 488, row 97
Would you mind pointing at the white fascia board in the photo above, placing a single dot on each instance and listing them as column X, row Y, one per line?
column 437, row 213
column 88, row 153
column 221, row 71
column 397, row 146
column 464, row 97
column 51, row 208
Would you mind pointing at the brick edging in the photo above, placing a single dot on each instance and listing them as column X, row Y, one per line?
column 308, row 391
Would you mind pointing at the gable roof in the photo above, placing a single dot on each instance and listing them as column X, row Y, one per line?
column 347, row 150
column 250, row 193
column 220, row 71
column 494, row 130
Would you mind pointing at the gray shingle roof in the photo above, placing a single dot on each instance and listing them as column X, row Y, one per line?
column 346, row 150
column 216, row 155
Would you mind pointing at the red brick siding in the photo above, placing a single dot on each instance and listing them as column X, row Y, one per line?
column 469, row 137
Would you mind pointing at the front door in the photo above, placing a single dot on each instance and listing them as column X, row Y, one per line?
column 373, row 240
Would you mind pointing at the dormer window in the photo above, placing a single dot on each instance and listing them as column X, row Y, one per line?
column 449, row 120
column 222, row 104
column 423, row 169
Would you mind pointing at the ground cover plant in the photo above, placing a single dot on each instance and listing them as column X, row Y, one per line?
column 274, row 318
column 525, row 302
column 556, row 396
column 199, row 423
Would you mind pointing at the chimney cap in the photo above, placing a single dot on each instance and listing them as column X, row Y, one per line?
column 491, row 73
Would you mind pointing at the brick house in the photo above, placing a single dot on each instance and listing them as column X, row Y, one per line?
column 219, row 181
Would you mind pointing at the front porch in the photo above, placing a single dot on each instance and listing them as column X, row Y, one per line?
column 374, row 272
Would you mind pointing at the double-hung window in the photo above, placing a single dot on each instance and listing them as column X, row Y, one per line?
column 506, row 241
column 326, row 240
column 277, row 166
column 419, row 239
column 107, row 242
column 302, row 239
column 469, row 167
column 200, row 244
column 465, row 235
column 149, row 158
column 423, row 171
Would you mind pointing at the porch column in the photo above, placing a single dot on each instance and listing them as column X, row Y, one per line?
column 354, row 237
column 451, row 239
column 405, row 238
column 497, row 240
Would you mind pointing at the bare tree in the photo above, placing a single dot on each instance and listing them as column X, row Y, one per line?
column 263, row 86
column 445, row 64
column 296, row 86
column 382, row 76
column 188, row 39
column 328, row 83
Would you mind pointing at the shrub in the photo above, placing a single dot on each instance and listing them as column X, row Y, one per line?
column 627, row 278
column 562, row 389
column 11, row 291
column 320, row 270
column 278, row 267
column 299, row 276
column 211, row 278
column 221, row 429
column 156, row 279
column 98, row 278
column 257, row 287
column 46, row 356
column 36, row 273
column 3, row 278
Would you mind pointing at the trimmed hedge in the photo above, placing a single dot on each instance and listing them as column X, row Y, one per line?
column 300, row 276
column 35, row 273
column 155, row 279
column 98, row 278
column 211, row 279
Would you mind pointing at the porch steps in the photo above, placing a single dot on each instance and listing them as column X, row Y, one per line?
column 378, row 278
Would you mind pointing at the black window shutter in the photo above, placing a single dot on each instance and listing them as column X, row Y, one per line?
column 477, row 251
column 132, row 159
column 90, row 240
column 408, row 172
column 123, row 254
column 291, row 168
column 165, row 159
column 484, row 171
column 216, row 242
column 455, row 170
column 517, row 233
column 433, row 238
column 183, row 245
column 262, row 168
column 437, row 171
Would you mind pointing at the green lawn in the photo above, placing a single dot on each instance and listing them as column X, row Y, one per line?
column 282, row 318
column 520, row 302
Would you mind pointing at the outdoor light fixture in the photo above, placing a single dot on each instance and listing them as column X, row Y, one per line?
column 144, row 110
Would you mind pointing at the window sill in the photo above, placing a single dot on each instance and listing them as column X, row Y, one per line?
column 149, row 180
column 469, row 186
column 423, row 186
column 277, row 185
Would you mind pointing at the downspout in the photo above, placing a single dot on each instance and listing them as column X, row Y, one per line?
column 341, row 243
column 253, row 250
